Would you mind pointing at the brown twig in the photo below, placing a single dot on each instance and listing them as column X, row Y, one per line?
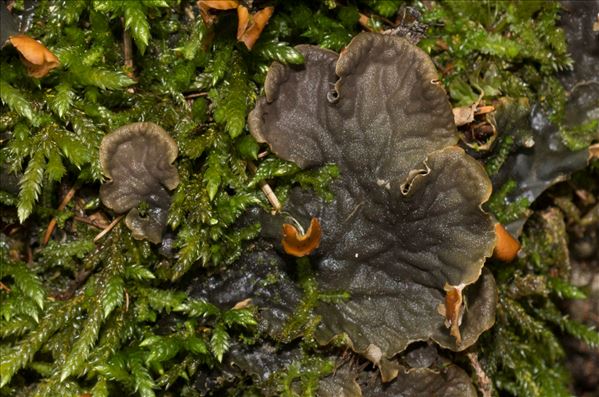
column 267, row 190
column 196, row 95
column 87, row 221
column 128, row 51
column 484, row 109
column 583, row 83
column 483, row 381
column 29, row 255
column 594, row 151
column 363, row 21
column 62, row 206
column 270, row 195
column 4, row 287
column 126, row 301
column 128, row 55
column 189, row 13
column 109, row 227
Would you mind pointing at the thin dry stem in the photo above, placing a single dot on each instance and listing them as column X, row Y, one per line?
column 52, row 225
column 270, row 195
column 189, row 13
column 363, row 21
column 128, row 52
column 109, row 227
column 4, row 287
column 483, row 381
column 196, row 95
column 594, row 151
column 267, row 190
column 87, row 221
column 484, row 109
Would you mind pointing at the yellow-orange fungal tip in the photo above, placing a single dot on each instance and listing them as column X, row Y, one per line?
column 507, row 247
column 299, row 245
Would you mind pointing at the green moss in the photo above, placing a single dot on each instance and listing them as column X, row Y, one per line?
column 581, row 136
column 527, row 314
column 505, row 211
column 303, row 321
column 493, row 164
column 499, row 49
column 301, row 377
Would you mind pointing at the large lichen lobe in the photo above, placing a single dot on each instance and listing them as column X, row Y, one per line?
column 405, row 219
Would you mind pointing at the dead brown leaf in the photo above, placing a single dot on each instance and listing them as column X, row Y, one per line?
column 477, row 124
column 249, row 26
column 243, row 20
column 218, row 4
column 242, row 304
column 464, row 114
column 38, row 60
column 205, row 6
column 257, row 23
column 98, row 218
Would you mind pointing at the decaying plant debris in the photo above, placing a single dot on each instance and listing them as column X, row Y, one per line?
column 210, row 302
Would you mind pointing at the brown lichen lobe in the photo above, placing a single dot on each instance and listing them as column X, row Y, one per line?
column 377, row 113
column 137, row 160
